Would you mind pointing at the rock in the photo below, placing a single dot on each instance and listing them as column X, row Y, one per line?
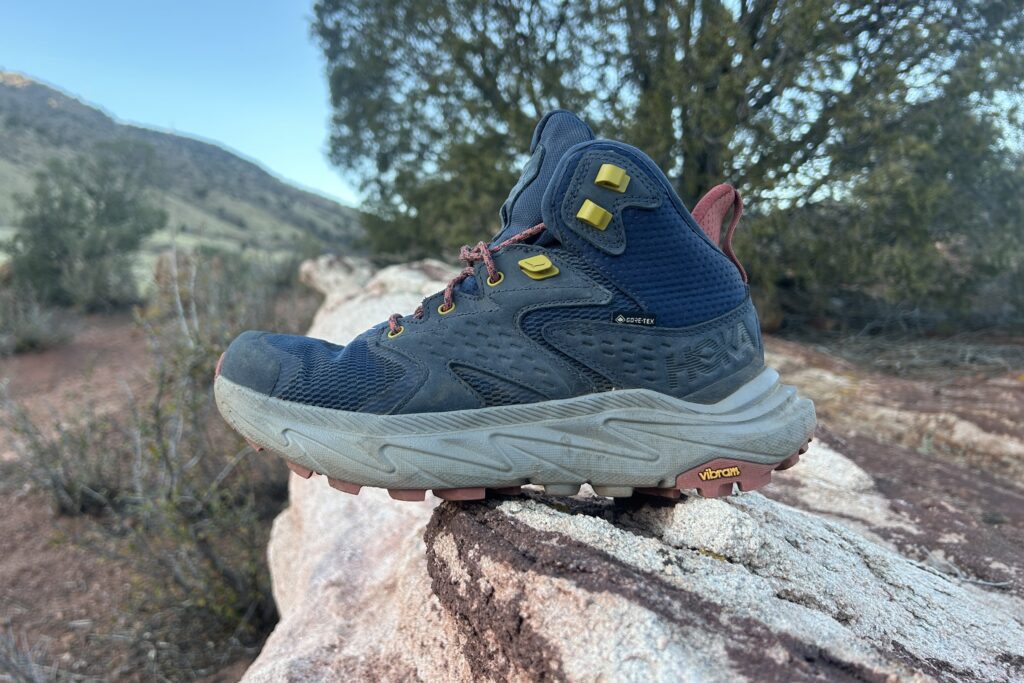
column 710, row 590
column 355, row 297
column 921, row 506
column 972, row 420
column 338, row 277
column 854, row 586
column 833, row 485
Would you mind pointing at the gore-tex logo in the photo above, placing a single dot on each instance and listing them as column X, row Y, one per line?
column 645, row 319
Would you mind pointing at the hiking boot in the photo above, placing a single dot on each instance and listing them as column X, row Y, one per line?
column 605, row 336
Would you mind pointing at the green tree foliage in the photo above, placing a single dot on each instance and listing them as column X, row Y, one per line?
column 82, row 225
column 868, row 138
column 931, row 228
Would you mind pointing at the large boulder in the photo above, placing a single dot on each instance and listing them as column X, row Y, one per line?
column 835, row 580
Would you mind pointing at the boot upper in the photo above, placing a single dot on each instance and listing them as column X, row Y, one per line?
column 621, row 289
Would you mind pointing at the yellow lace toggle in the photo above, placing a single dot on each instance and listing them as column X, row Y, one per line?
column 612, row 177
column 593, row 215
column 538, row 267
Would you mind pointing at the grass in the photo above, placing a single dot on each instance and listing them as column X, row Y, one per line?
column 225, row 201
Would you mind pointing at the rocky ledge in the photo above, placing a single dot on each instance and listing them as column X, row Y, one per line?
column 839, row 574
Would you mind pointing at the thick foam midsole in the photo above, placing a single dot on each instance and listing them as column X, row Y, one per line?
column 631, row 437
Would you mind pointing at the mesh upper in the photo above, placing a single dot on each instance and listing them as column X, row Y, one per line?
column 673, row 272
column 332, row 376
column 533, row 322
column 495, row 391
column 669, row 361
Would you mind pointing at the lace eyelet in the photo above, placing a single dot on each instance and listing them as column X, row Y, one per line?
column 400, row 330
column 501, row 278
column 445, row 311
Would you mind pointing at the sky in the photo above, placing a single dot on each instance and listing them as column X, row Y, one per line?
column 245, row 75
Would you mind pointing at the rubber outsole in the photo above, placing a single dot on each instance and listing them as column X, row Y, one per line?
column 713, row 479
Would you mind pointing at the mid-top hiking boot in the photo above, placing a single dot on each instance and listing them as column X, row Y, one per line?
column 605, row 336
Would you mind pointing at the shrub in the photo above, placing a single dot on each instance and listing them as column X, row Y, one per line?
column 27, row 325
column 75, row 462
column 82, row 225
column 182, row 498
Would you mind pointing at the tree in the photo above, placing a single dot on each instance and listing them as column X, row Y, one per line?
column 930, row 223
column 82, row 225
column 802, row 105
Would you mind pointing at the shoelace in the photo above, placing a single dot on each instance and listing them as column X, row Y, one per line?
column 470, row 256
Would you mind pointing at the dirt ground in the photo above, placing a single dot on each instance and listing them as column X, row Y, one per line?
column 105, row 359
column 59, row 595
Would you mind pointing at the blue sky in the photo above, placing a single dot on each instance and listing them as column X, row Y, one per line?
column 244, row 75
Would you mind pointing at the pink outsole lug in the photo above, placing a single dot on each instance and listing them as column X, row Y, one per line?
column 788, row 462
column 220, row 362
column 756, row 481
column 461, row 494
column 303, row 472
column 411, row 495
column 719, row 491
column 255, row 446
column 344, row 486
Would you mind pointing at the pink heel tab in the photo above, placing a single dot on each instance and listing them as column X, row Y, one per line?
column 710, row 213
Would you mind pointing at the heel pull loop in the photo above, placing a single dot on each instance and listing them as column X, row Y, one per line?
column 710, row 213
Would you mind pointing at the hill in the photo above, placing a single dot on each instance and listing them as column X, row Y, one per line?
column 213, row 197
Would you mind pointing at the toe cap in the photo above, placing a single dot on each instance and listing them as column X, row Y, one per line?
column 251, row 362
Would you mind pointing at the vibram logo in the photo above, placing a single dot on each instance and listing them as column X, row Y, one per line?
column 709, row 474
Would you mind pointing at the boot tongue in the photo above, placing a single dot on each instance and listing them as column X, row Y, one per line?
column 555, row 134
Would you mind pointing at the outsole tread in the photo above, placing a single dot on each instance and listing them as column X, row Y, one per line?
column 727, row 475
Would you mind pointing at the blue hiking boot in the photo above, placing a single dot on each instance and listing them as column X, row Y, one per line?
column 605, row 336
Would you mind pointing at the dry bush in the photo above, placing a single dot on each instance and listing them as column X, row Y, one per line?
column 26, row 325
column 91, row 482
column 178, row 495
column 23, row 662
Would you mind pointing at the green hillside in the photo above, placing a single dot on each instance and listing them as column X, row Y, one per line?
column 212, row 196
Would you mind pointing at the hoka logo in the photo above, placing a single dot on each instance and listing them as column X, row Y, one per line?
column 730, row 347
column 709, row 474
